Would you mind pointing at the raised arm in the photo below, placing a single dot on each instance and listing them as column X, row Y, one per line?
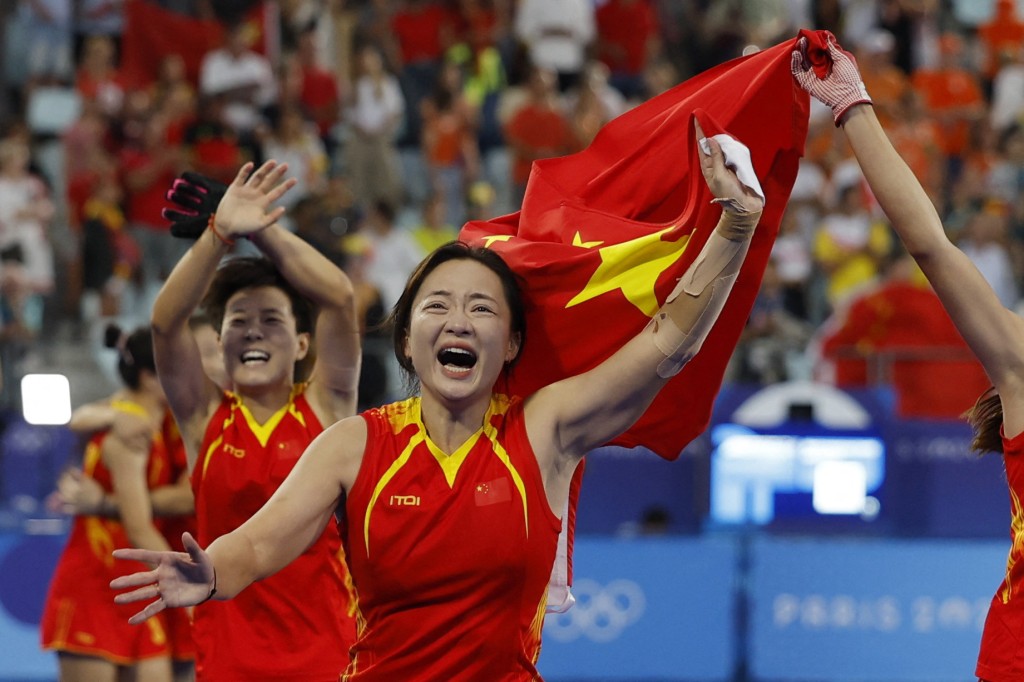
column 994, row 334
column 272, row 538
column 127, row 458
column 191, row 395
column 567, row 419
column 334, row 383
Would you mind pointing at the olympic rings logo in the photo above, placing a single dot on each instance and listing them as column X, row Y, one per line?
column 601, row 612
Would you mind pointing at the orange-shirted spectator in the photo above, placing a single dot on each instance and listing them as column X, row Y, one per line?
column 449, row 142
column 886, row 82
column 919, row 140
column 98, row 78
column 537, row 130
column 1002, row 36
column 952, row 95
column 627, row 38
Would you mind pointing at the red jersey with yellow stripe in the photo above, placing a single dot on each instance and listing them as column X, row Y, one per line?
column 296, row 624
column 450, row 554
column 80, row 615
column 1002, row 641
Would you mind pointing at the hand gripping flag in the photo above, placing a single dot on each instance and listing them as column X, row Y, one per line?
column 603, row 235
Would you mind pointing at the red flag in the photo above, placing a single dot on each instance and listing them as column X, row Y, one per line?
column 603, row 235
column 152, row 32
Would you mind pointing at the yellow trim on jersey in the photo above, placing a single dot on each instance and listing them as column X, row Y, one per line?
column 416, row 439
column 265, row 430
column 450, row 463
column 537, row 626
column 499, row 404
column 129, row 407
column 1017, row 529
column 92, row 457
column 215, row 445
column 100, row 539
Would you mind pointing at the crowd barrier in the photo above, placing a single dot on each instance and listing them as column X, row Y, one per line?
column 687, row 609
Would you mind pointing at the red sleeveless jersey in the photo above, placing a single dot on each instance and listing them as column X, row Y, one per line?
column 1002, row 641
column 80, row 615
column 296, row 624
column 179, row 621
column 450, row 554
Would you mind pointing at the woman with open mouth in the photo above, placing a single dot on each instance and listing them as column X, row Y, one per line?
column 451, row 498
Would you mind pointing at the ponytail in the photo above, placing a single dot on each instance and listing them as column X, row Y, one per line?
column 986, row 418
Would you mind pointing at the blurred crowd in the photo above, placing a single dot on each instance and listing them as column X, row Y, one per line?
column 402, row 119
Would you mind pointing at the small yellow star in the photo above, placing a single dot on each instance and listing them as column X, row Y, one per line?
column 495, row 238
column 577, row 240
column 634, row 267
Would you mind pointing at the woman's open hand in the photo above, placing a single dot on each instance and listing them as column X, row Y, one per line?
column 177, row 579
column 246, row 206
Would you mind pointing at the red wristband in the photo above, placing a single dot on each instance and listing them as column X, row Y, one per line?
column 213, row 228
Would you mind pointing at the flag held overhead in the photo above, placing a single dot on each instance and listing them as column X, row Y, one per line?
column 604, row 235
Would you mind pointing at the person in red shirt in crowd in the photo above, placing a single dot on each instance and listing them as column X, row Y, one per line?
column 537, row 130
column 214, row 148
column 319, row 94
column 147, row 170
column 627, row 39
column 1002, row 37
column 481, row 23
column 98, row 78
column 424, row 30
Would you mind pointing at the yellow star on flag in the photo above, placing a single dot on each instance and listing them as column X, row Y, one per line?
column 495, row 238
column 634, row 267
column 577, row 240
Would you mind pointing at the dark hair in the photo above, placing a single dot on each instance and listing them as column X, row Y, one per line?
column 134, row 352
column 986, row 418
column 398, row 320
column 250, row 273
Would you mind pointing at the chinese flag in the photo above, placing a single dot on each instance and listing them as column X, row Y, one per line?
column 152, row 32
column 603, row 235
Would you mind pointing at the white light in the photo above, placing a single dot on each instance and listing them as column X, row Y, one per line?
column 46, row 399
column 839, row 487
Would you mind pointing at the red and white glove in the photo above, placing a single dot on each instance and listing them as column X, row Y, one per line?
column 830, row 75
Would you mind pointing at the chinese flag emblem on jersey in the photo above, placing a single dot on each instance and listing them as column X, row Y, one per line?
column 603, row 235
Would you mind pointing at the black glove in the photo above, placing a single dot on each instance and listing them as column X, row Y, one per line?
column 199, row 196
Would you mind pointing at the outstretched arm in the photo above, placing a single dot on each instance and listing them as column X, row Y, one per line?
column 288, row 523
column 994, row 334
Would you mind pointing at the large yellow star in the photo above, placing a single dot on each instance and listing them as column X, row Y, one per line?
column 634, row 267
